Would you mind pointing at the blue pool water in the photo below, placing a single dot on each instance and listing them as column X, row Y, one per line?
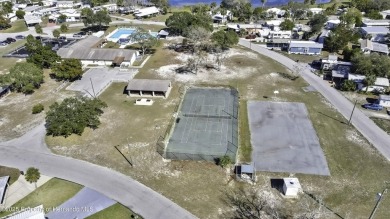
column 255, row 3
column 120, row 32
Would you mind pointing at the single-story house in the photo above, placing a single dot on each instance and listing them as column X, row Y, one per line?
column 68, row 4
column 153, row 88
column 110, row 7
column 32, row 20
column 384, row 100
column 356, row 78
column 374, row 23
column 251, row 28
column 341, row 72
column 273, row 24
column 305, row 47
column 331, row 24
column 316, row 10
column 379, row 82
column 329, row 63
column 48, row 11
column 89, row 52
column 3, row 188
column 325, row 33
column 278, row 43
column 146, row 12
column 49, row 3
column 385, row 14
column 377, row 33
column 29, row 213
column 4, row 90
column 32, row 9
column 162, row 34
column 291, row 187
column 279, row 34
column 382, row 82
column 367, row 46
column 275, row 11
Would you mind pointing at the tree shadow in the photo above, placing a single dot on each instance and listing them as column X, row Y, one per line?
column 371, row 100
column 321, row 203
column 277, row 184
column 332, row 118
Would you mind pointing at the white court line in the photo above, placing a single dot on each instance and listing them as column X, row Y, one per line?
column 185, row 127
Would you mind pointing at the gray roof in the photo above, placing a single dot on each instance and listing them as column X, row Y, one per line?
column 32, row 8
column 30, row 19
column 3, row 88
column 245, row 168
column 87, row 49
column 3, row 185
column 306, row 44
column 375, row 30
column 149, row 85
column 384, row 97
column 163, row 33
column 341, row 71
column 383, row 22
column 379, row 47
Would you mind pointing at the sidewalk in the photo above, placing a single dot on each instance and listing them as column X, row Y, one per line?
column 21, row 188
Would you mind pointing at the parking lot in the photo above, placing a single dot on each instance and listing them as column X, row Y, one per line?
column 21, row 52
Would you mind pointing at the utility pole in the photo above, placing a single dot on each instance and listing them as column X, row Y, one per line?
column 350, row 118
column 93, row 90
column 377, row 203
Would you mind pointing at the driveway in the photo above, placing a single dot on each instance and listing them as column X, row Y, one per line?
column 85, row 203
column 375, row 135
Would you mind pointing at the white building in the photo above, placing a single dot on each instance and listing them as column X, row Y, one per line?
column 67, row 4
column 146, row 12
column 385, row 14
column 275, row 11
column 32, row 20
column 377, row 33
column 89, row 52
column 279, row 35
column 273, row 24
column 110, row 7
column 367, row 47
column 316, row 10
column 375, row 23
column 32, row 9
column 291, row 187
column 331, row 24
column 384, row 100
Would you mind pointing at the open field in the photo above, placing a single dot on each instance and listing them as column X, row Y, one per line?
column 357, row 170
column 15, row 123
column 7, row 63
column 11, row 172
column 51, row 194
column 17, row 26
column 115, row 211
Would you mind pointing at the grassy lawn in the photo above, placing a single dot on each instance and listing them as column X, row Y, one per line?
column 115, row 211
column 383, row 124
column 51, row 194
column 245, row 152
column 11, row 172
column 7, row 63
column 305, row 58
column 17, row 26
column 14, row 123
column 357, row 170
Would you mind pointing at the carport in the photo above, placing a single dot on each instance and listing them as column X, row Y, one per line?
column 146, row 87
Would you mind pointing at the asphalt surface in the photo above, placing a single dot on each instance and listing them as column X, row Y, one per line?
column 375, row 135
column 284, row 139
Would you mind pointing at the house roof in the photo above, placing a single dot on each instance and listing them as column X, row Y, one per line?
column 146, row 11
column 87, row 49
column 308, row 44
column 30, row 19
column 3, row 185
column 375, row 30
column 292, row 183
column 356, row 77
column 32, row 8
column 247, row 168
column 148, row 85
column 383, row 82
column 384, row 97
column 163, row 33
column 383, row 22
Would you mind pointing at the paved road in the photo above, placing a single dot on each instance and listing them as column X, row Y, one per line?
column 375, row 135
column 31, row 150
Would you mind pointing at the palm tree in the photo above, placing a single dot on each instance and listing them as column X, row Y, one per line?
column 263, row 2
column 32, row 175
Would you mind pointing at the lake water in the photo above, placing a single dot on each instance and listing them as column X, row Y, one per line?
column 254, row 2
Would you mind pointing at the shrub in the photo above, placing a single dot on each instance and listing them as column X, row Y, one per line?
column 37, row 108
column 348, row 86
column 224, row 161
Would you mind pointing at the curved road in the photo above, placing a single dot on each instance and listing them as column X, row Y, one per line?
column 30, row 150
column 375, row 135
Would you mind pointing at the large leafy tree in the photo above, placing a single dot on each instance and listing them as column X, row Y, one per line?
column 297, row 10
column 20, row 14
column 373, row 64
column 40, row 55
column 56, row 33
column 181, row 22
column 287, row 25
column 243, row 12
column 32, row 175
column 339, row 38
column 73, row 115
column 38, row 29
column 259, row 14
column 4, row 22
column 225, row 39
column 144, row 40
column 6, row 7
column 91, row 19
column 68, row 69
column 352, row 17
column 23, row 77
column 64, row 28
column 317, row 22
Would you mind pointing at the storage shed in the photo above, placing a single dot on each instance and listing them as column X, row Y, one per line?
column 245, row 171
column 291, row 187
column 305, row 47
column 384, row 100
column 146, row 87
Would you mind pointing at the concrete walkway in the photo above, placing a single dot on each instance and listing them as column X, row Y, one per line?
column 21, row 188
column 375, row 135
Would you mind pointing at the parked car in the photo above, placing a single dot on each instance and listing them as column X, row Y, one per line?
column 373, row 106
column 10, row 40
column 4, row 43
column 19, row 37
column 62, row 38
column 77, row 35
column 251, row 36
column 38, row 37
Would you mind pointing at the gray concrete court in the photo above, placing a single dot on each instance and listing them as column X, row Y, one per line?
column 101, row 79
column 210, row 136
column 85, row 203
column 284, row 140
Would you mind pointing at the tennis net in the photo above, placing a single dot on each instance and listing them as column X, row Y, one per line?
column 207, row 116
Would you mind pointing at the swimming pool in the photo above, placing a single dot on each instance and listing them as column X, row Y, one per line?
column 123, row 31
